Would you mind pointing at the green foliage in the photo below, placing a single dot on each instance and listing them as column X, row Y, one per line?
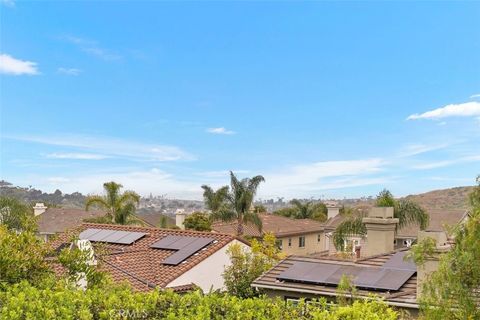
column 22, row 257
column 452, row 291
column 247, row 265
column 235, row 203
column 346, row 291
column 304, row 210
column 198, row 221
column 259, row 208
column 120, row 207
column 422, row 251
column 407, row 212
column 76, row 262
column 16, row 215
column 23, row 301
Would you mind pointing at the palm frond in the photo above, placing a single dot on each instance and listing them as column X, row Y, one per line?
column 129, row 196
column 254, row 218
column 409, row 213
column 352, row 226
column 98, row 201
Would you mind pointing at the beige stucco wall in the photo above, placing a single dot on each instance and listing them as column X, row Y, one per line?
column 312, row 245
column 208, row 273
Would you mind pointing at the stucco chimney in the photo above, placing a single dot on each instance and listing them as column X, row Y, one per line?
column 180, row 218
column 332, row 210
column 39, row 208
column 431, row 262
column 380, row 225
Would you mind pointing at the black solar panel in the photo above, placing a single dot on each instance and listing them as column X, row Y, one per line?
column 397, row 262
column 377, row 278
column 110, row 236
column 184, row 246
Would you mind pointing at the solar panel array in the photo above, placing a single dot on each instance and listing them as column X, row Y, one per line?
column 184, row 247
column 111, row 236
column 391, row 276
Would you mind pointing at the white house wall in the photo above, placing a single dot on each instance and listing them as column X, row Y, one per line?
column 208, row 273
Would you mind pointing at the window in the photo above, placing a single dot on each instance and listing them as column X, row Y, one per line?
column 301, row 242
column 279, row 244
column 319, row 238
column 289, row 242
column 293, row 300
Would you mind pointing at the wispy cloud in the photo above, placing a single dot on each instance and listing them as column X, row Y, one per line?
column 220, row 130
column 416, row 149
column 446, row 163
column 467, row 109
column 69, row 71
column 10, row 65
column 8, row 3
column 92, row 48
column 76, row 156
column 473, row 96
column 110, row 146
column 220, row 173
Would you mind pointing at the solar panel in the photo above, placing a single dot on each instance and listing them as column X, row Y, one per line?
column 377, row 278
column 87, row 233
column 184, row 246
column 130, row 238
column 397, row 262
column 110, row 236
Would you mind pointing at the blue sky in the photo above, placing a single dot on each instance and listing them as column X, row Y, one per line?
column 325, row 99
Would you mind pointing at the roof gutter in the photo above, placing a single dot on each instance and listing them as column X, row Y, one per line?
column 332, row 294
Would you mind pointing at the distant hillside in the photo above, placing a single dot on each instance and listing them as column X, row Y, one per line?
column 453, row 198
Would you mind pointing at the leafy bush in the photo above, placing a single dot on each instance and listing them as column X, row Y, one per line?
column 23, row 301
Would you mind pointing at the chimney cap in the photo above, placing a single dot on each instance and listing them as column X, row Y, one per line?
column 40, row 205
column 381, row 212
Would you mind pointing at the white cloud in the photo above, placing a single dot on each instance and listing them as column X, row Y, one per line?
column 467, row 109
column 8, row 3
column 69, row 71
column 76, row 156
column 220, row 173
column 111, row 147
column 10, row 65
column 154, row 180
column 416, row 149
column 92, row 48
column 303, row 179
column 473, row 96
column 446, row 163
column 220, row 130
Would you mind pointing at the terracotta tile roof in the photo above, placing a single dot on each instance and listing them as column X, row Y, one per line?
column 139, row 264
column 280, row 226
column 153, row 219
column 58, row 220
column 407, row 294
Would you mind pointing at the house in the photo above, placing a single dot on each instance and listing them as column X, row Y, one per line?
column 294, row 236
column 52, row 221
column 440, row 220
column 150, row 258
column 386, row 275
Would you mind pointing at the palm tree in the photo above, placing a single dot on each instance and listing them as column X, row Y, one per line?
column 237, row 202
column 215, row 200
column 309, row 210
column 120, row 207
column 406, row 211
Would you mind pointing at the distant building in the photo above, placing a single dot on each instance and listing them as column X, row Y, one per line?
column 151, row 258
column 294, row 236
column 52, row 221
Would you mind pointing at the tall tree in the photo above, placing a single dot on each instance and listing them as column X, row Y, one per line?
column 406, row 211
column 215, row 200
column 119, row 207
column 16, row 215
column 304, row 210
column 452, row 292
column 237, row 202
